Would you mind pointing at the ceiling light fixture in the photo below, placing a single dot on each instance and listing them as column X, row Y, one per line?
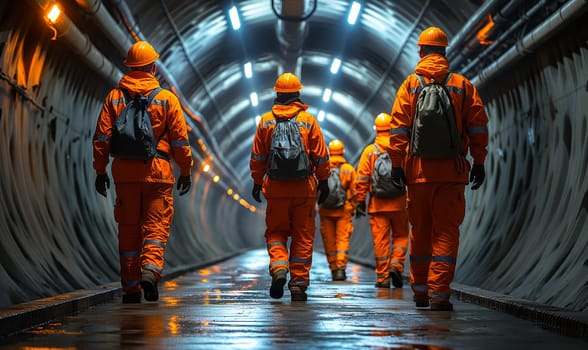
column 354, row 12
column 321, row 116
column 248, row 70
column 335, row 65
column 253, row 97
column 234, row 16
column 327, row 95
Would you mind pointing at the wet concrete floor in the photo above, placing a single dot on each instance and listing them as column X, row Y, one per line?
column 227, row 306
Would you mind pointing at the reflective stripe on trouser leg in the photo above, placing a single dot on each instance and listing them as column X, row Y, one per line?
column 380, row 227
column 329, row 238
column 448, row 214
column 303, row 230
column 420, row 200
column 399, row 225
column 158, row 212
column 343, row 233
column 278, row 253
column 276, row 234
column 127, row 213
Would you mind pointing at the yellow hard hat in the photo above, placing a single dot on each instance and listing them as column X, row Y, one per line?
column 433, row 36
column 287, row 82
column 141, row 54
column 336, row 148
column 382, row 122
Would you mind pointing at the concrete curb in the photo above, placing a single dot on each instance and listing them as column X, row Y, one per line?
column 564, row 321
column 24, row 316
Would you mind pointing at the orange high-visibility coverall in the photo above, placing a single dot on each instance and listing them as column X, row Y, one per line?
column 290, row 203
column 336, row 225
column 436, row 201
column 144, row 189
column 388, row 216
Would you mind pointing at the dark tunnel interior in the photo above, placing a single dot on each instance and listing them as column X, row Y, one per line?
column 526, row 230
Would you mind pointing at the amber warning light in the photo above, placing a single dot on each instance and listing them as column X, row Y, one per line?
column 54, row 13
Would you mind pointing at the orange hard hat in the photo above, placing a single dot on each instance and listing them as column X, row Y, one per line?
column 382, row 122
column 287, row 82
column 433, row 36
column 141, row 54
column 336, row 148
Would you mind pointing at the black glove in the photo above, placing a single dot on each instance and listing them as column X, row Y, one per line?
column 323, row 188
column 102, row 183
column 398, row 177
column 360, row 210
column 477, row 176
column 256, row 193
column 184, row 184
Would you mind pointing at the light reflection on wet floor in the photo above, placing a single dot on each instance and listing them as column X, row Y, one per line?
column 227, row 306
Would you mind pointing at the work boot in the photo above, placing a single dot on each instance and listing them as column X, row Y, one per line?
column 441, row 306
column 132, row 298
column 339, row 275
column 278, row 281
column 149, row 285
column 298, row 294
column 396, row 277
column 383, row 284
column 421, row 300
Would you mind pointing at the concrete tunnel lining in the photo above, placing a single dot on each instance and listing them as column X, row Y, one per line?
column 525, row 234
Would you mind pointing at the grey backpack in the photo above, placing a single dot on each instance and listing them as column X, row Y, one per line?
column 382, row 184
column 287, row 158
column 337, row 194
column 434, row 132
column 132, row 134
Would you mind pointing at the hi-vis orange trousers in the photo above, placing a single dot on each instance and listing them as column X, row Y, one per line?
column 144, row 213
column 390, row 238
column 335, row 232
column 435, row 211
column 295, row 218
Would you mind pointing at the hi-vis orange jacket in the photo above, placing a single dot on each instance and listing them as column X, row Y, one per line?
column 469, row 114
column 314, row 144
column 348, row 178
column 365, row 169
column 166, row 116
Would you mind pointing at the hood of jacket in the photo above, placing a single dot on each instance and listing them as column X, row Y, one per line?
column 139, row 82
column 335, row 161
column 289, row 110
column 433, row 66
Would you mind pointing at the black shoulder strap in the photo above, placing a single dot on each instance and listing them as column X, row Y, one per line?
column 444, row 83
column 126, row 95
column 378, row 150
column 421, row 80
column 153, row 94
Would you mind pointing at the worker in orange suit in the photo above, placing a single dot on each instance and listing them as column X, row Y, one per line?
column 336, row 224
column 144, row 188
column 388, row 216
column 436, row 186
column 291, row 203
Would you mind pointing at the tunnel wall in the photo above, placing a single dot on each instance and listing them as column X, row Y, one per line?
column 57, row 234
column 527, row 230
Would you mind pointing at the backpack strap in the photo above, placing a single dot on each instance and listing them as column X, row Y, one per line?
column 378, row 150
column 160, row 154
column 421, row 80
column 126, row 95
column 153, row 94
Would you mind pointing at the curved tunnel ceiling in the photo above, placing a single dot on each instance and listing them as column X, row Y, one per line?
column 206, row 56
